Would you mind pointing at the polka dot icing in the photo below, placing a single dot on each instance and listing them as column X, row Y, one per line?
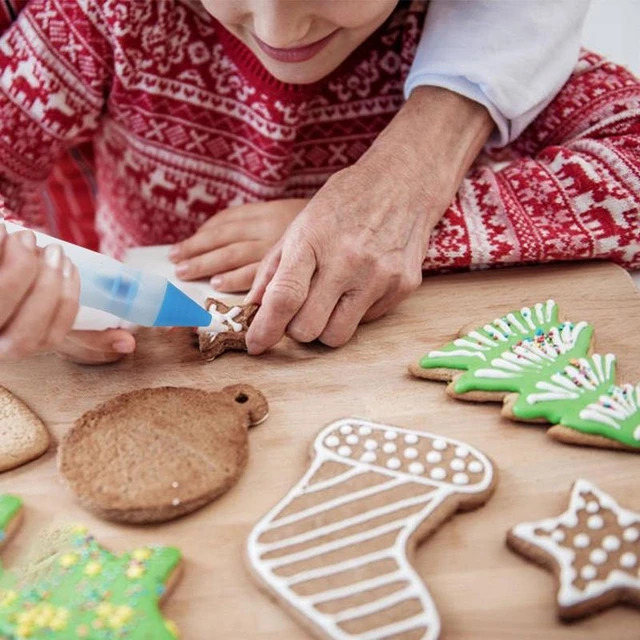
column 410, row 453
column 588, row 572
column 631, row 534
column 394, row 463
column 475, row 466
column 611, row 543
column 438, row 473
column 462, row 452
column 390, row 435
column 370, row 445
column 346, row 429
column 433, row 457
column 457, row 465
column 389, row 447
column 352, row 439
column 332, row 441
column 439, row 444
column 598, row 556
column 411, row 438
column 460, row 478
column 344, row 450
column 368, row 456
column 592, row 507
column 557, row 535
column 364, row 430
column 581, row 541
column 595, row 522
column 628, row 560
column 416, row 468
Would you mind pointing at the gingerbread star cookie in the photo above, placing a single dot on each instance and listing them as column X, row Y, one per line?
column 228, row 328
column 510, row 354
column 88, row 593
column 23, row 436
column 593, row 548
column 336, row 551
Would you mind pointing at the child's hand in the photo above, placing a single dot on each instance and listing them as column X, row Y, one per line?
column 232, row 243
column 97, row 347
column 39, row 292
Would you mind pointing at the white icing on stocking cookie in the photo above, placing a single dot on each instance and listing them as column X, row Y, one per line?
column 335, row 548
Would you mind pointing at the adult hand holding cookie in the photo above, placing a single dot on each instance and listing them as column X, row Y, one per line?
column 356, row 250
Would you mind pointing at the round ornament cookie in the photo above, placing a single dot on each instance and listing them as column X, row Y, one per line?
column 507, row 355
column 84, row 592
column 593, row 548
column 336, row 551
column 23, row 436
column 156, row 454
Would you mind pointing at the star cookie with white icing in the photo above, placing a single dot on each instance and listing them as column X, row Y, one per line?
column 228, row 328
column 593, row 548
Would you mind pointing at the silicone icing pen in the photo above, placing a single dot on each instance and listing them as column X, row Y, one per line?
column 143, row 298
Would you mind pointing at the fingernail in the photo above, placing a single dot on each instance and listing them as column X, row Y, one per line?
column 182, row 268
column 53, row 255
column 67, row 268
column 27, row 239
column 123, row 346
column 216, row 282
column 174, row 252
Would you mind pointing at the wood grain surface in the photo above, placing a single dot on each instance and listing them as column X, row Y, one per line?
column 482, row 590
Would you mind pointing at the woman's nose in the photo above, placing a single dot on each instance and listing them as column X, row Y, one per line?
column 281, row 23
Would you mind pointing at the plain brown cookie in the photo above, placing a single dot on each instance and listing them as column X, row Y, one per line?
column 156, row 454
column 228, row 329
column 23, row 436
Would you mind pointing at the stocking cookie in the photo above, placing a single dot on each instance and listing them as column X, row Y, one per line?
column 228, row 328
column 23, row 436
column 89, row 593
column 593, row 549
column 584, row 403
column 335, row 551
column 156, row 454
column 508, row 354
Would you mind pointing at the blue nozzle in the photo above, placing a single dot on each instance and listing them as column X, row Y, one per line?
column 179, row 310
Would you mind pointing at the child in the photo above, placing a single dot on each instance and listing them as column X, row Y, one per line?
column 145, row 80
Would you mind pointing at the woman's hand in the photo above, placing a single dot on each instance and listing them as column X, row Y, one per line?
column 356, row 250
column 232, row 243
column 39, row 291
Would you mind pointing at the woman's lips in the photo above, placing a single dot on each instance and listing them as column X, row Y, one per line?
column 295, row 54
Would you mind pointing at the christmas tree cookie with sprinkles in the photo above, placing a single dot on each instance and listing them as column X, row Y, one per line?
column 88, row 593
column 593, row 548
column 584, row 404
column 507, row 355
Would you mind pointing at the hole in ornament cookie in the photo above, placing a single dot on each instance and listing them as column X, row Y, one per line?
column 242, row 398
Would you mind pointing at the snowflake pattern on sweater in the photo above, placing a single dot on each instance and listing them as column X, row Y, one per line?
column 186, row 122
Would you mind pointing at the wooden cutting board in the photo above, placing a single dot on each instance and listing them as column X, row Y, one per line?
column 482, row 590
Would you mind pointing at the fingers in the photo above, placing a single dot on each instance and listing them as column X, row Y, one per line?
column 18, row 271
column 228, row 258
column 67, row 307
column 206, row 239
column 237, row 280
column 283, row 297
column 264, row 275
column 97, row 347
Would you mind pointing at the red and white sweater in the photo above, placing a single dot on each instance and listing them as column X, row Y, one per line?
column 185, row 122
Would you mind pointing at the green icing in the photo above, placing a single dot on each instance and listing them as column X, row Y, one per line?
column 9, row 507
column 513, row 352
column 88, row 592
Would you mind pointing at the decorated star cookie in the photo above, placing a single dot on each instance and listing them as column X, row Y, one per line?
column 23, row 436
column 228, row 328
column 584, row 403
column 89, row 593
column 507, row 355
column 593, row 548
column 10, row 517
column 151, row 455
column 335, row 551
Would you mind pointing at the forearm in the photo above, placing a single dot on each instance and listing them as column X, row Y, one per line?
column 433, row 140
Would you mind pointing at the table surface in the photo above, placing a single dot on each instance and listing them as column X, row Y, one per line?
column 482, row 590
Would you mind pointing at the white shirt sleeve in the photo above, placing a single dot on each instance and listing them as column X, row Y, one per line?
column 512, row 56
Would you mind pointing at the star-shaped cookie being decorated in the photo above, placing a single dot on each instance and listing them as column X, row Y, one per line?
column 593, row 549
column 228, row 328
